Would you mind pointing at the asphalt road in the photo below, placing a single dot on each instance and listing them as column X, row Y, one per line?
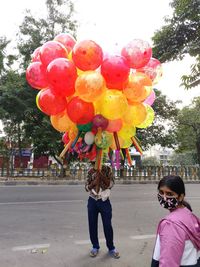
column 47, row 225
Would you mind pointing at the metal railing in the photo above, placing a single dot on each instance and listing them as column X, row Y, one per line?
column 145, row 173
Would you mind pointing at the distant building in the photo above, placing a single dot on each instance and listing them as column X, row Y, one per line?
column 162, row 154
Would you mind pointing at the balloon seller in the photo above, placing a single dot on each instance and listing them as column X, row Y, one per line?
column 99, row 184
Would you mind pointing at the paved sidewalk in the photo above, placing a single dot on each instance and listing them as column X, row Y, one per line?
column 11, row 181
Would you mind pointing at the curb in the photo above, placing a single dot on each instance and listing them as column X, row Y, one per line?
column 78, row 182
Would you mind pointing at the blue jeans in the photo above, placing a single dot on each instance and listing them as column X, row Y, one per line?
column 105, row 209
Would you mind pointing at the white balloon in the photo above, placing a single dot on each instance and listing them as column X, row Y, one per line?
column 89, row 138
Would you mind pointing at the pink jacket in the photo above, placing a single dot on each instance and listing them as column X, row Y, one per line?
column 178, row 240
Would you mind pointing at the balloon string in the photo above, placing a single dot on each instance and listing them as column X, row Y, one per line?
column 98, row 161
column 62, row 154
column 116, row 140
column 128, row 157
column 76, row 139
column 117, row 155
column 137, row 146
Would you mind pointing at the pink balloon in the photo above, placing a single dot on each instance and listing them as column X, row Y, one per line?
column 67, row 40
column 35, row 57
column 52, row 50
column 36, row 75
column 137, row 52
column 150, row 99
column 153, row 69
column 115, row 71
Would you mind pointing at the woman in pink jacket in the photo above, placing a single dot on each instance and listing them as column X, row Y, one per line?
column 178, row 234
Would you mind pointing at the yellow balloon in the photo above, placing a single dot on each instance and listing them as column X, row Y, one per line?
column 135, row 114
column 149, row 118
column 126, row 143
column 37, row 99
column 61, row 122
column 127, row 132
column 113, row 104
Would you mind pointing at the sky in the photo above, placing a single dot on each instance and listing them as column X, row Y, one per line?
column 112, row 24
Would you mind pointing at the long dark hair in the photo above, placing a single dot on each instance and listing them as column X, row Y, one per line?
column 176, row 184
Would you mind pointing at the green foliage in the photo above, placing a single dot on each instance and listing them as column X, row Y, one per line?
column 21, row 118
column 150, row 161
column 162, row 131
column 184, row 159
column 35, row 32
column 180, row 36
column 188, row 128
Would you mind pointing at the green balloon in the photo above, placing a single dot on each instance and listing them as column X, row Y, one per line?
column 149, row 118
column 85, row 127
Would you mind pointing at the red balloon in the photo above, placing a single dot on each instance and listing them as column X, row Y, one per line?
column 100, row 121
column 65, row 138
column 51, row 104
column 137, row 52
column 115, row 71
column 62, row 74
column 35, row 57
column 52, row 50
column 87, row 55
column 36, row 75
column 79, row 111
column 67, row 40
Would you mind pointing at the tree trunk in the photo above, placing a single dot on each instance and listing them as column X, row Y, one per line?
column 198, row 150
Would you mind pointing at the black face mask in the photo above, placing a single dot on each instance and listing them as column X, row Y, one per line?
column 169, row 203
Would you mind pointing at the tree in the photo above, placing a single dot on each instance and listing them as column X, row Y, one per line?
column 180, row 36
column 185, row 158
column 17, row 98
column 162, row 131
column 188, row 128
column 35, row 32
column 150, row 161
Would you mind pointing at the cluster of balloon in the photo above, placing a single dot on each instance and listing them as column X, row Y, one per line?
column 97, row 101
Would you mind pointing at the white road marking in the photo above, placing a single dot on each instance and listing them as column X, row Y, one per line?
column 102, row 240
column 138, row 237
column 87, row 241
column 42, row 202
column 30, row 247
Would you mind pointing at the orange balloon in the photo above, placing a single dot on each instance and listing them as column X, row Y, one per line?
column 90, row 86
column 135, row 114
column 137, row 86
column 87, row 55
column 61, row 122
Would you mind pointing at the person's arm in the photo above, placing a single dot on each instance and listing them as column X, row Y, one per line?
column 172, row 243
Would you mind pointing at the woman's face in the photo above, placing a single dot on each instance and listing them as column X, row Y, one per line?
column 166, row 192
column 168, row 198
